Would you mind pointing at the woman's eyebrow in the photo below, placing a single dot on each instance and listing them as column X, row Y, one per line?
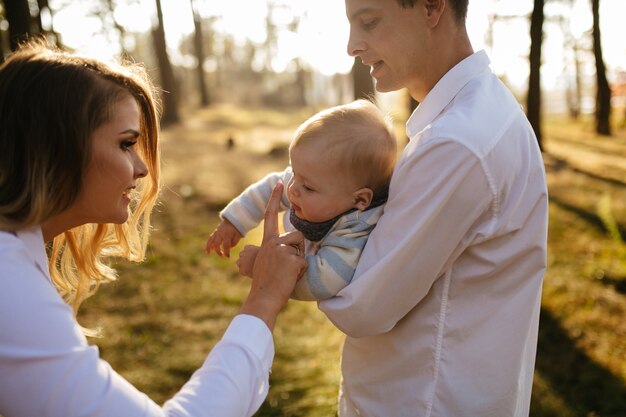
column 131, row 132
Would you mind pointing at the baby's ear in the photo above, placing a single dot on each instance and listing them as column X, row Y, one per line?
column 363, row 198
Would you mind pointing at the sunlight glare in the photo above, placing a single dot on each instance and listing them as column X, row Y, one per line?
column 323, row 31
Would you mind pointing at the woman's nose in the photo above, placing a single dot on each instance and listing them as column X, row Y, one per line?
column 141, row 170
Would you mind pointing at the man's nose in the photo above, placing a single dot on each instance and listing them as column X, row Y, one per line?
column 355, row 45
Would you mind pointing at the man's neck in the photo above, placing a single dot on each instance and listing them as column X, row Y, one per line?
column 449, row 47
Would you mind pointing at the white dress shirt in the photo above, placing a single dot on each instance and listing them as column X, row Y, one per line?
column 442, row 313
column 47, row 369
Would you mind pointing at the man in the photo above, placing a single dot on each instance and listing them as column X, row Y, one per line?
column 442, row 314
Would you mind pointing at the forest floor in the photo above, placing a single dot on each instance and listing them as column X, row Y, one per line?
column 161, row 317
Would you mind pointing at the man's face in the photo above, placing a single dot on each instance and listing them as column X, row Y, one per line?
column 391, row 40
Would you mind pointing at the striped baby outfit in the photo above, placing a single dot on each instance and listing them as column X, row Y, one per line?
column 332, row 260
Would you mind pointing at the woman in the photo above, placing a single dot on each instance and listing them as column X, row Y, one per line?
column 79, row 168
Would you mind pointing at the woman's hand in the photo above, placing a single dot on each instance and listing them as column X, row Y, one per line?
column 277, row 266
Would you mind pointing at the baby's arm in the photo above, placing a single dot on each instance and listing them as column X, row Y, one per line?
column 332, row 267
column 245, row 212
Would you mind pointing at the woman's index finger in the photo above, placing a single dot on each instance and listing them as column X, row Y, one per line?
column 270, row 227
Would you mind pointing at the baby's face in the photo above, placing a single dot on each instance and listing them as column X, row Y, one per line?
column 317, row 193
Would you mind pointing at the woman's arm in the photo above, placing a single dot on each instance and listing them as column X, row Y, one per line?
column 47, row 369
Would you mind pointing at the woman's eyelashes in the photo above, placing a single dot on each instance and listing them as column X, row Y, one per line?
column 128, row 143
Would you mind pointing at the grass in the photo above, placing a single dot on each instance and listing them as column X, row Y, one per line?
column 162, row 317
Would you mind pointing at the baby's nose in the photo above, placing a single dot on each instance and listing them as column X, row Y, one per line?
column 292, row 189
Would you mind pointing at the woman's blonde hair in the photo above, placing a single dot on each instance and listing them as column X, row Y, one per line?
column 358, row 142
column 51, row 102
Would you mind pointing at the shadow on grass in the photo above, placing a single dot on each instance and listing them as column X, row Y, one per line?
column 585, row 386
column 560, row 163
column 276, row 407
column 591, row 218
column 618, row 283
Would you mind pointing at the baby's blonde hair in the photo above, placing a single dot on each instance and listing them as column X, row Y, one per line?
column 358, row 142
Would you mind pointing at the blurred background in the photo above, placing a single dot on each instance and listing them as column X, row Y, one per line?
column 239, row 76
column 562, row 54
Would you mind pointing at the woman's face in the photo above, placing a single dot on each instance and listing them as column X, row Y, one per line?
column 113, row 169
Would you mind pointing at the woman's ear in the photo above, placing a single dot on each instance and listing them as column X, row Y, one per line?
column 363, row 198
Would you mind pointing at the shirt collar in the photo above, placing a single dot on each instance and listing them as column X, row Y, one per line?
column 445, row 90
column 33, row 240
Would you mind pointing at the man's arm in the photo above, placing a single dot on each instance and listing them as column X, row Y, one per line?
column 438, row 192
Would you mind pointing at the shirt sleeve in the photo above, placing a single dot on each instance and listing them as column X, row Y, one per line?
column 437, row 193
column 247, row 210
column 47, row 369
column 332, row 267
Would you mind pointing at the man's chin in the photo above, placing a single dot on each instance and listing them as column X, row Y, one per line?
column 384, row 88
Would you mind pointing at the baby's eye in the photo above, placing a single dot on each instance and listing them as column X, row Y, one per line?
column 306, row 187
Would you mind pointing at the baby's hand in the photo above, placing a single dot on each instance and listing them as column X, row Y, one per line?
column 246, row 260
column 224, row 237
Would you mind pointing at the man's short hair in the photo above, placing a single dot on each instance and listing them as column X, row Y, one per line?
column 459, row 7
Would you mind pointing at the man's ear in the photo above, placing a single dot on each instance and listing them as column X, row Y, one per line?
column 362, row 198
column 434, row 10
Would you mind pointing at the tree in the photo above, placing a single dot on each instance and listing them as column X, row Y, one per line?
column 571, row 60
column 2, row 46
column 533, row 103
column 120, row 29
column 362, row 80
column 50, row 33
column 198, row 43
column 603, row 91
column 168, row 81
column 21, row 23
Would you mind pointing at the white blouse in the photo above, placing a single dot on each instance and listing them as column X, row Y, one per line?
column 47, row 369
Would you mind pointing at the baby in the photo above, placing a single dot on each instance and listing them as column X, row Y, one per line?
column 341, row 160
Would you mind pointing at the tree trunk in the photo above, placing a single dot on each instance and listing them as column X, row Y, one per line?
column 575, row 97
column 2, row 47
column 168, row 81
column 362, row 81
column 21, row 23
column 120, row 29
column 603, row 92
column 533, row 104
column 198, row 44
